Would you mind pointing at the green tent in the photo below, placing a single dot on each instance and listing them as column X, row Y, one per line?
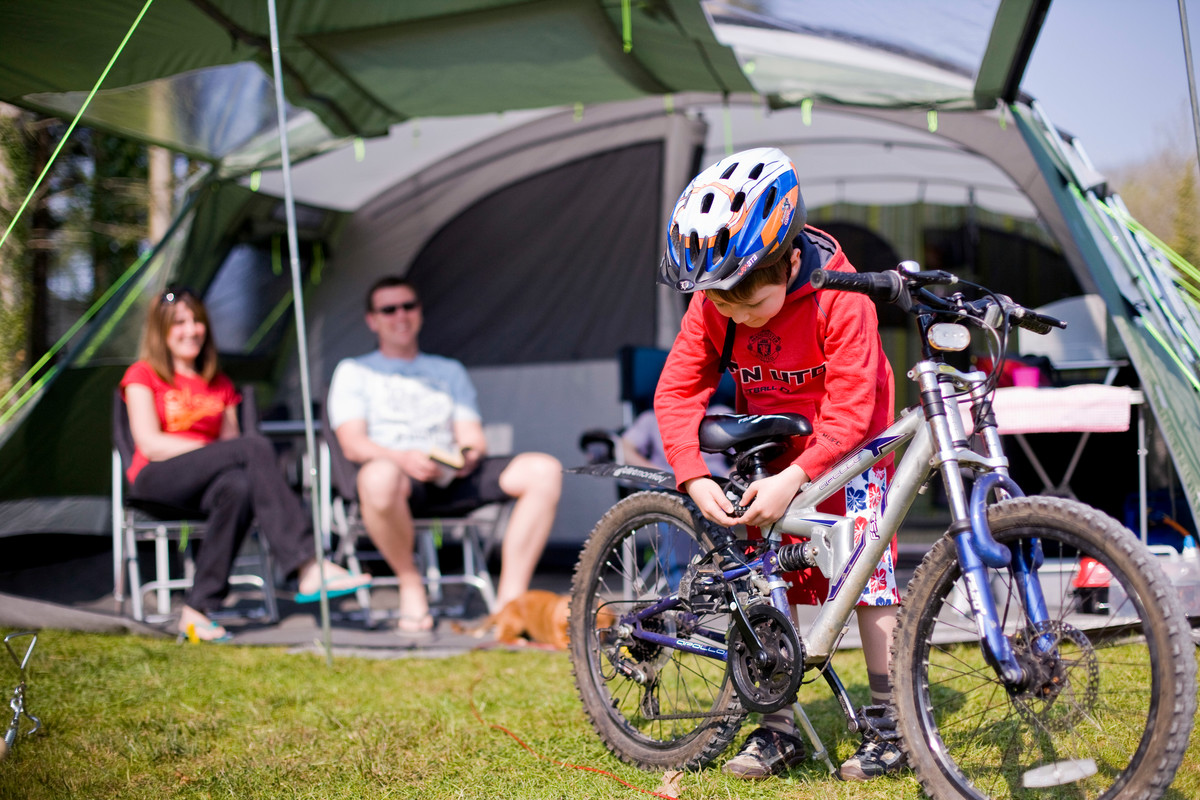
column 415, row 125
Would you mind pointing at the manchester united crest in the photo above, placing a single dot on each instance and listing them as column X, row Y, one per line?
column 765, row 346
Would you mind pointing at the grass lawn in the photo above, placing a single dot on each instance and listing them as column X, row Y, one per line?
column 132, row 718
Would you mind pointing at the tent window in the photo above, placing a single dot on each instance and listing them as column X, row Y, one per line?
column 557, row 267
column 249, row 298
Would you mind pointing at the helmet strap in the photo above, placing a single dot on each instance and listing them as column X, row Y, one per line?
column 727, row 349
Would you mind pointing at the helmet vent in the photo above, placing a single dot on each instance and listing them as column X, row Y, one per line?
column 721, row 245
column 706, row 203
column 693, row 248
column 769, row 203
column 738, row 200
column 757, row 171
column 729, row 172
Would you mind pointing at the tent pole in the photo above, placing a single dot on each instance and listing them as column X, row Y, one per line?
column 1191, row 73
column 310, row 443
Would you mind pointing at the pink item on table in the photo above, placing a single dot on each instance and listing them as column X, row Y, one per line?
column 1026, row 376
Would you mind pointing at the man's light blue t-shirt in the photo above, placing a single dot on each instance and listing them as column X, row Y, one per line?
column 408, row 405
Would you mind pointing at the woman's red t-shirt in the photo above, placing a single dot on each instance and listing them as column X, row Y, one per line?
column 188, row 406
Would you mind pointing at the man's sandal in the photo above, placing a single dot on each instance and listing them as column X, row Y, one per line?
column 415, row 625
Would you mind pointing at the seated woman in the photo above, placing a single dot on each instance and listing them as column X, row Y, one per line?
column 189, row 453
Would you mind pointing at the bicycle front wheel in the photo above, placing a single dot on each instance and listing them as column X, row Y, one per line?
column 1109, row 708
column 654, row 706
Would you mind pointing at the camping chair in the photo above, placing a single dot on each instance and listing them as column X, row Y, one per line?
column 477, row 532
column 638, row 372
column 135, row 520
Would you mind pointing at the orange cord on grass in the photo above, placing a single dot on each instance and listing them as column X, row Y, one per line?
column 518, row 740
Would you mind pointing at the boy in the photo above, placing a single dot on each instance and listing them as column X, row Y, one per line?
column 738, row 240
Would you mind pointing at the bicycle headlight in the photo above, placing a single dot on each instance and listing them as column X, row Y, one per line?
column 949, row 336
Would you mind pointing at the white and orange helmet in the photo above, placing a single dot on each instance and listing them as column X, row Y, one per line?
column 731, row 219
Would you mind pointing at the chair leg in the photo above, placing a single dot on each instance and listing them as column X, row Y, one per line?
column 133, row 570
column 339, row 519
column 268, row 573
column 475, row 566
column 162, row 570
column 118, row 539
column 363, row 595
column 433, row 569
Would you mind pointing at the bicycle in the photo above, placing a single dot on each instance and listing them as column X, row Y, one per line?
column 1010, row 677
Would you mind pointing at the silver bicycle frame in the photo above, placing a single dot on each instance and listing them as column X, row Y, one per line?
column 939, row 442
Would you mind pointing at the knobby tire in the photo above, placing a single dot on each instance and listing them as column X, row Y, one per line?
column 687, row 713
column 1122, row 701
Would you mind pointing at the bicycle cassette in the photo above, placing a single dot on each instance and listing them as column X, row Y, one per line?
column 770, row 683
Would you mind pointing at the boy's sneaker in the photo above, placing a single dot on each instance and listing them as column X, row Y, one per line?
column 873, row 759
column 766, row 752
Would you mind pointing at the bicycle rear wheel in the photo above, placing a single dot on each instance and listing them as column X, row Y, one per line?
column 1112, row 707
column 654, row 706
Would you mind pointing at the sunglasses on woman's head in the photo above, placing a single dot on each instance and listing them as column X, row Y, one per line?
column 174, row 294
column 411, row 305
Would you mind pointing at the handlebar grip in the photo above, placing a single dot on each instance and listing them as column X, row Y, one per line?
column 1037, row 323
column 884, row 286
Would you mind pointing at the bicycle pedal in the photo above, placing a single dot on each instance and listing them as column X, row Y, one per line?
column 879, row 722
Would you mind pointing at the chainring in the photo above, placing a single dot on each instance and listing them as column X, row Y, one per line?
column 766, row 686
column 1067, row 680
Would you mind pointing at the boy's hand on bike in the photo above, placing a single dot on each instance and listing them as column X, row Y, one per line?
column 711, row 501
column 767, row 499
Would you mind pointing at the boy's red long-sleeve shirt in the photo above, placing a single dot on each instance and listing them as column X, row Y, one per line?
column 820, row 356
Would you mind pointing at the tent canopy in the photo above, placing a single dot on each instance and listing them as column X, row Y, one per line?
column 476, row 107
column 194, row 76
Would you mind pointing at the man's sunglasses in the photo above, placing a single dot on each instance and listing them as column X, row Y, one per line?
column 411, row 305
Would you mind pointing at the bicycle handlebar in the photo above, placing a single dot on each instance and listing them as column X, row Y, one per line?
column 898, row 287
column 885, row 286
column 1033, row 321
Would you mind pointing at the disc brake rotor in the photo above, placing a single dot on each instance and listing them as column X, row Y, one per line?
column 1067, row 675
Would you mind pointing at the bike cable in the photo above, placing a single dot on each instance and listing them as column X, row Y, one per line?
column 670, row 778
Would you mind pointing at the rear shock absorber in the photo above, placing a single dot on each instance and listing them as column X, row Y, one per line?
column 793, row 557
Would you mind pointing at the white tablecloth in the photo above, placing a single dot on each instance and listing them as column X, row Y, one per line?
column 1086, row 407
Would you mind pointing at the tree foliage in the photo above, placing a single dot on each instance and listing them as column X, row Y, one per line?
column 1161, row 190
column 14, row 277
column 84, row 226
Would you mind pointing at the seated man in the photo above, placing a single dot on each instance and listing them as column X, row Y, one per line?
column 394, row 407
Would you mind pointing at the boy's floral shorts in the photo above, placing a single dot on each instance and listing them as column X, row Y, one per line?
column 864, row 498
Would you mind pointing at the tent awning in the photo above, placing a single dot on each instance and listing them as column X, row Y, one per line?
column 194, row 75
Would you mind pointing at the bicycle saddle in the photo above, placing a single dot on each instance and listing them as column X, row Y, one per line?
column 720, row 432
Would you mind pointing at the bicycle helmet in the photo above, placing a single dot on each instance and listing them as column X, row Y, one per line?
column 732, row 218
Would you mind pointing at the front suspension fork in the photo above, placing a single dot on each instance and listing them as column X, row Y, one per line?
column 976, row 547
